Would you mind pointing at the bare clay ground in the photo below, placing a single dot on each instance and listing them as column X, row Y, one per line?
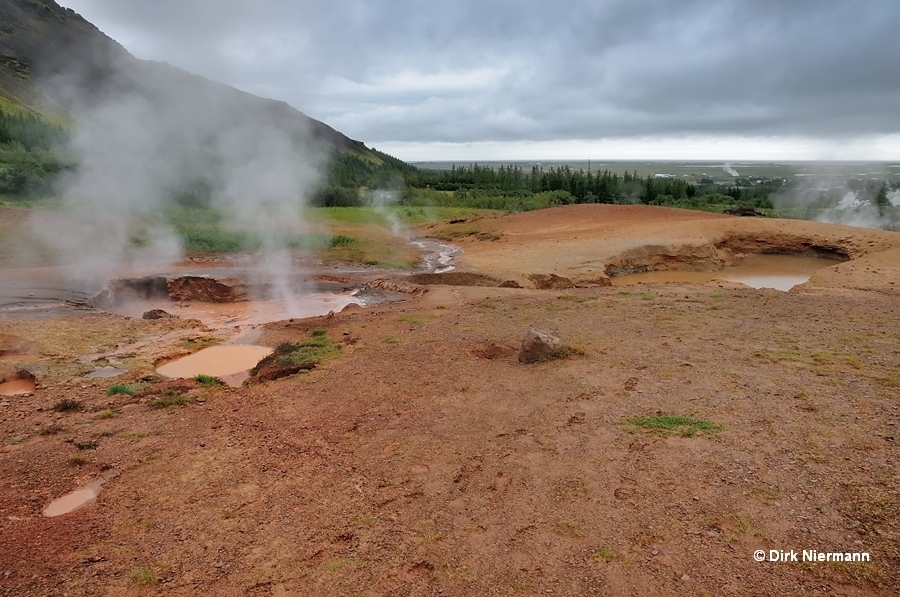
column 413, row 464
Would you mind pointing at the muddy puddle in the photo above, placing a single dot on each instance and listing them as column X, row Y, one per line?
column 17, row 387
column 243, row 313
column 231, row 364
column 781, row 272
column 73, row 500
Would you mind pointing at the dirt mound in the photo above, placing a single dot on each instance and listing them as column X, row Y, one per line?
column 550, row 282
column 206, row 289
column 456, row 278
column 492, row 350
column 395, row 285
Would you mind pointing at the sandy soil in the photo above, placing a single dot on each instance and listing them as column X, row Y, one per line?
column 424, row 459
column 586, row 242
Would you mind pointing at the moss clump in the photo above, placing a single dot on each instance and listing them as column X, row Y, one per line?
column 293, row 357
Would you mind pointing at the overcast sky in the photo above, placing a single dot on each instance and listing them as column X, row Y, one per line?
column 528, row 79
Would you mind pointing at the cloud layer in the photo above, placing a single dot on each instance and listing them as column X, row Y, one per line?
column 404, row 73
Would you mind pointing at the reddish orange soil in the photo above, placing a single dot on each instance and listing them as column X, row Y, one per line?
column 424, row 459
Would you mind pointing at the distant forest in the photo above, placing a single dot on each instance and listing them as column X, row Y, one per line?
column 30, row 150
column 509, row 188
column 33, row 155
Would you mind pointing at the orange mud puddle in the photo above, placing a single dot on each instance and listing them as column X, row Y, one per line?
column 244, row 313
column 16, row 387
column 229, row 363
column 73, row 500
column 781, row 272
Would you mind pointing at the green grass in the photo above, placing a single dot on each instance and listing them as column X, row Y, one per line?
column 305, row 354
column 671, row 425
column 198, row 343
column 169, row 399
column 142, row 577
column 317, row 332
column 119, row 389
column 342, row 240
column 308, row 351
column 208, row 380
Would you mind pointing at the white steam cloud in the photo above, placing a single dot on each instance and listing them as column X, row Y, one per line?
column 153, row 133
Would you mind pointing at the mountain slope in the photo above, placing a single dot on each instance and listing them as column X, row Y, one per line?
column 56, row 64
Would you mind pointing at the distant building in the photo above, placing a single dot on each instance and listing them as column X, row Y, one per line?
column 663, row 176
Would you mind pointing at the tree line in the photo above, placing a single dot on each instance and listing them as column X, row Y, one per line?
column 29, row 156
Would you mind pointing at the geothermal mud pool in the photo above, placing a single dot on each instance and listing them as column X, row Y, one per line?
column 73, row 500
column 230, row 364
column 17, row 387
column 781, row 272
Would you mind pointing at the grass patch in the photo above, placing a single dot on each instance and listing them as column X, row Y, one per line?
column 79, row 460
column 318, row 332
column 169, row 399
column 68, row 405
column 415, row 321
column 290, row 358
column 307, row 351
column 136, row 436
column 390, row 340
column 604, row 554
column 577, row 299
column 119, row 388
column 569, row 527
column 86, row 444
column 208, row 380
column 193, row 344
column 142, row 577
column 342, row 240
column 671, row 425
column 106, row 414
column 51, row 429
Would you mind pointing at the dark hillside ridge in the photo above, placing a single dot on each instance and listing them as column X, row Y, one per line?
column 53, row 61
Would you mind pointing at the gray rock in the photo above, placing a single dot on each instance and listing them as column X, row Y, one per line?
column 538, row 345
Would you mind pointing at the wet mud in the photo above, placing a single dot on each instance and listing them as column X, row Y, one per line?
column 781, row 272
column 228, row 363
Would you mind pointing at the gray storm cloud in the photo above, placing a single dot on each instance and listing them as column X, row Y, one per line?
column 576, row 70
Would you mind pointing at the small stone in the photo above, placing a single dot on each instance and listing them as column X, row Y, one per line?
column 654, row 552
column 685, row 577
column 219, row 564
column 696, row 498
column 712, row 534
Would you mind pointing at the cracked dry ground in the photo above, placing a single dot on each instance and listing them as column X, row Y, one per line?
column 410, row 464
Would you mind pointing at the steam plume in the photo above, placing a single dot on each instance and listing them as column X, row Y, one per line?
column 149, row 133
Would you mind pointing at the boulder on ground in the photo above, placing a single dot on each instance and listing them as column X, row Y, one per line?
column 510, row 284
column 158, row 314
column 538, row 345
